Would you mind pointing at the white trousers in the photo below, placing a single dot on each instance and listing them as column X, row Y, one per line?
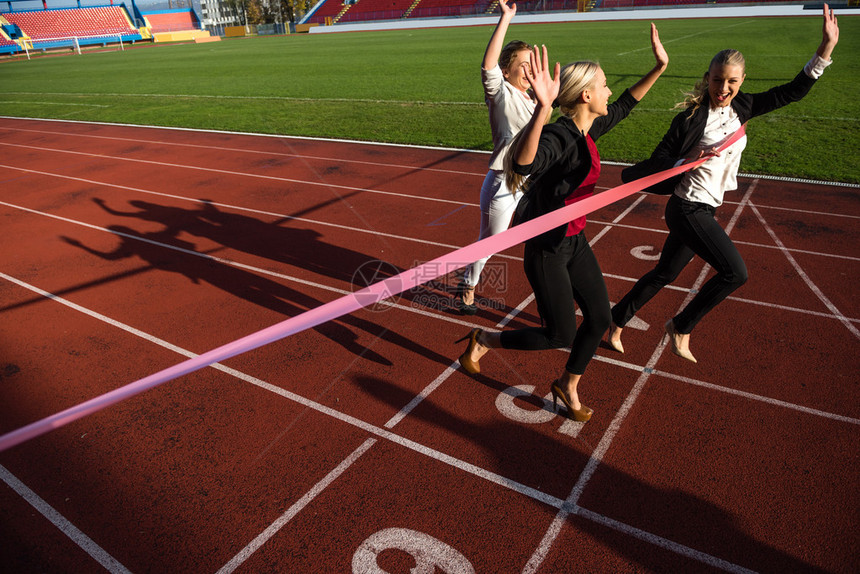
column 497, row 208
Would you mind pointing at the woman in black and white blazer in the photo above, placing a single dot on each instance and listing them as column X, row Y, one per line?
column 712, row 112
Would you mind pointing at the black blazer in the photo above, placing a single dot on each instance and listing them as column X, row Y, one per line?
column 561, row 164
column 686, row 131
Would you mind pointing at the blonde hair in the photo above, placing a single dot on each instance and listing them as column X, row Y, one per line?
column 574, row 79
column 694, row 99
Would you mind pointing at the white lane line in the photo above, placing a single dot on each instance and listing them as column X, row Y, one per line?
column 750, row 243
column 678, row 39
column 803, row 212
column 450, row 370
column 728, row 390
column 801, row 251
column 602, row 447
column 282, row 520
column 479, row 472
column 407, row 146
column 296, row 398
column 759, row 398
column 620, row 216
column 614, row 223
column 263, row 98
column 412, row 309
column 791, row 309
column 258, row 270
column 812, row 286
column 236, row 173
column 247, row 209
column 235, row 133
column 516, row 311
column 86, row 543
column 662, row 542
column 339, row 160
column 52, row 104
column 297, row 507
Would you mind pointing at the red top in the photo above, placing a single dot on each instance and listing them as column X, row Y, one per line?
column 586, row 188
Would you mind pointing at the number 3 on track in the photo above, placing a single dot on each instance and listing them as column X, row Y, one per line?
column 506, row 405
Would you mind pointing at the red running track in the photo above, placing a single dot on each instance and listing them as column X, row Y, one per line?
column 360, row 443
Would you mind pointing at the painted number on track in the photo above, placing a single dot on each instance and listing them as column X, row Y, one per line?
column 508, row 407
column 429, row 553
column 641, row 252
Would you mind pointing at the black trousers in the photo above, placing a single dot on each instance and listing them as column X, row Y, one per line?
column 558, row 279
column 692, row 231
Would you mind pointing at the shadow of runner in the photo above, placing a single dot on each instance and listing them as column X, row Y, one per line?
column 237, row 282
column 302, row 248
column 552, row 465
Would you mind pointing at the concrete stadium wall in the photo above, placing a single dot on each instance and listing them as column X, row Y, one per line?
column 640, row 14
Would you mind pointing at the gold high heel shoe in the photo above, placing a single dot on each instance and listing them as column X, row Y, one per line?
column 615, row 344
column 683, row 353
column 580, row 415
column 470, row 366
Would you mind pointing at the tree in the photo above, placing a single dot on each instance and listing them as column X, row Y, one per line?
column 254, row 12
column 294, row 9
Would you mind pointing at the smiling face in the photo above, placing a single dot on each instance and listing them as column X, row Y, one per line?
column 724, row 83
column 597, row 95
column 515, row 73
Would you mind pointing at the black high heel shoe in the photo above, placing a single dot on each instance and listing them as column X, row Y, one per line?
column 470, row 366
column 581, row 415
column 460, row 300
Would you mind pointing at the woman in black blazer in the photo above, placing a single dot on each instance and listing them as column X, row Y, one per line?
column 712, row 112
column 562, row 165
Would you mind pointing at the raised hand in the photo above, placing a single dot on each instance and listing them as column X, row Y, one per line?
column 544, row 85
column 830, row 34
column 507, row 10
column 640, row 88
column 657, row 47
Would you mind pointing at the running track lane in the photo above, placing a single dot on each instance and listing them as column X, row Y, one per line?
column 315, row 451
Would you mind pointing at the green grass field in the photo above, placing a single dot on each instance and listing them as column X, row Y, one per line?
column 423, row 86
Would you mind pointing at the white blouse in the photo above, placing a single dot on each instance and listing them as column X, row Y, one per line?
column 708, row 183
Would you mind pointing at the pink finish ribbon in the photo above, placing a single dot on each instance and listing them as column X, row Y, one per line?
column 354, row 301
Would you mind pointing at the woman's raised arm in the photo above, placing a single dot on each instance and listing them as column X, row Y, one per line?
column 640, row 88
column 497, row 40
column 830, row 34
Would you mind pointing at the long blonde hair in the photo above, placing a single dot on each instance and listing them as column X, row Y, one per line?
column 574, row 79
column 694, row 99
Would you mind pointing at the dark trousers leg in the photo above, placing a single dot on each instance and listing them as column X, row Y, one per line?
column 673, row 258
column 692, row 230
column 708, row 240
column 558, row 279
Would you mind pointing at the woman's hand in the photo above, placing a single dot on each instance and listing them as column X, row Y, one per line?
column 657, row 47
column 700, row 153
column 830, row 34
column 544, row 85
column 640, row 88
column 506, row 10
